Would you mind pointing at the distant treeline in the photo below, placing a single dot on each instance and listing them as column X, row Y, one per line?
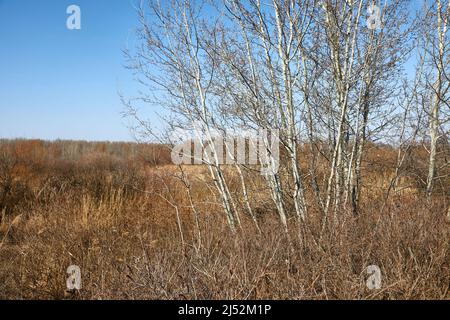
column 40, row 151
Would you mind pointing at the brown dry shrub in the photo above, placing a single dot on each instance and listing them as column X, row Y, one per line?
column 116, row 224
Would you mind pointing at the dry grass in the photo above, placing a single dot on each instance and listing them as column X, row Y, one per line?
column 111, row 216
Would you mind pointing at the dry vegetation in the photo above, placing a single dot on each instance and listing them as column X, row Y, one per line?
column 113, row 210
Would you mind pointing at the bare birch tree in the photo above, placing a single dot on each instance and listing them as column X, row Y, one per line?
column 319, row 72
column 174, row 62
column 437, row 33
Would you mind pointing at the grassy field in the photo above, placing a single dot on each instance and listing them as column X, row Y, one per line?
column 126, row 217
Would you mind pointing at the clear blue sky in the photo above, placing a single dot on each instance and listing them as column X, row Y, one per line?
column 60, row 83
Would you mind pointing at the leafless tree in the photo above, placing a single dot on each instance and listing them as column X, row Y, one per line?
column 318, row 71
column 437, row 46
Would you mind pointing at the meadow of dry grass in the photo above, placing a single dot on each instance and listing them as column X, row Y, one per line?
column 121, row 213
